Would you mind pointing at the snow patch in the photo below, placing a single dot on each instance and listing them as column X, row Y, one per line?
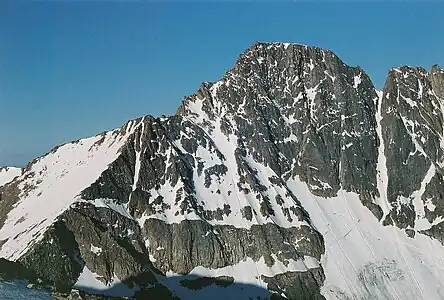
column 96, row 250
column 110, row 204
column 381, row 167
column 91, row 282
column 357, row 81
column 421, row 223
column 247, row 277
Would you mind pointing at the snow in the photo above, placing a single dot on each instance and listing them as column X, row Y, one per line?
column 215, row 87
column 381, row 167
column 420, row 89
column 89, row 281
column 247, row 278
column 58, row 179
column 138, row 153
column 311, row 64
column 7, row 174
column 110, row 204
column 409, row 101
column 311, row 95
column 421, row 223
column 321, row 185
column 333, row 78
column 364, row 259
column 263, row 174
column 410, row 128
column 227, row 184
column 292, row 138
column 168, row 193
column 242, row 270
column 96, row 250
column 357, row 81
column 429, row 204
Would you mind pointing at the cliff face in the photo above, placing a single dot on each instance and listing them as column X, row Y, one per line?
column 413, row 128
column 291, row 177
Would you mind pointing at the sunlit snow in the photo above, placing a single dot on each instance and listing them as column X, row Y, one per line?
column 7, row 174
column 56, row 181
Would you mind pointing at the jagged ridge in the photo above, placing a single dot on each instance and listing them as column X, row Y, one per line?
column 270, row 169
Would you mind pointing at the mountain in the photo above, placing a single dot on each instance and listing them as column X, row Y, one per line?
column 7, row 174
column 290, row 177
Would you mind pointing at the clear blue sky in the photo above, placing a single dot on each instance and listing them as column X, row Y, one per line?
column 73, row 69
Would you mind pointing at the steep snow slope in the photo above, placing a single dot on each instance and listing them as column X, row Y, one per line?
column 364, row 260
column 7, row 174
column 91, row 282
column 52, row 183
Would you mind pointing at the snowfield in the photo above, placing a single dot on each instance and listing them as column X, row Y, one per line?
column 365, row 260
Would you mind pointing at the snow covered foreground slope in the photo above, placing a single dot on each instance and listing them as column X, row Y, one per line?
column 50, row 185
column 283, row 179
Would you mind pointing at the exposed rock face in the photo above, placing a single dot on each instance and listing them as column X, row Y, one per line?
column 13, row 270
column 234, row 189
column 296, row 285
column 412, row 122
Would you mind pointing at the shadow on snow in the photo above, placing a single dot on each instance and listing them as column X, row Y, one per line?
column 188, row 287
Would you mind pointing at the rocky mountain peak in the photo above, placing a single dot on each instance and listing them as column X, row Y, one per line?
column 272, row 68
column 436, row 69
column 264, row 49
column 296, row 93
column 285, row 175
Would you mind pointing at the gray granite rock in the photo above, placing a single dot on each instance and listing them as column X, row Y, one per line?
column 170, row 201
